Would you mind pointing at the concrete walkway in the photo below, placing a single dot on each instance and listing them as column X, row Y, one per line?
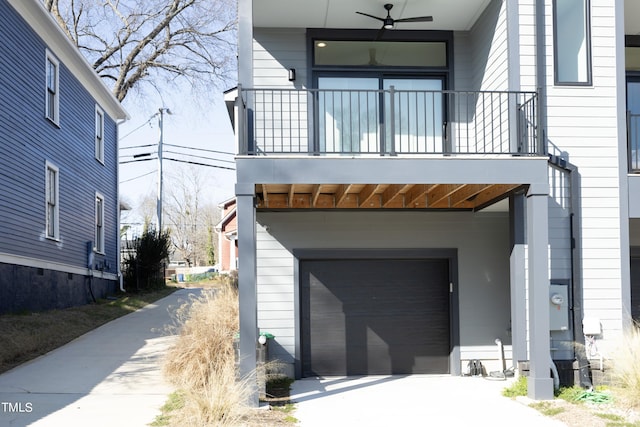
column 110, row 376
column 417, row 400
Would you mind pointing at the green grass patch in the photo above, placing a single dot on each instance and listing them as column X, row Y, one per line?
column 287, row 408
column 547, row 408
column 518, row 388
column 29, row 335
column 173, row 403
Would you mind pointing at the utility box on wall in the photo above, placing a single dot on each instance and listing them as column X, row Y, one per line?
column 558, row 307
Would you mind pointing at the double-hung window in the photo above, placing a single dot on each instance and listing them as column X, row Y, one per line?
column 572, row 42
column 52, row 110
column 99, row 135
column 99, row 226
column 52, row 204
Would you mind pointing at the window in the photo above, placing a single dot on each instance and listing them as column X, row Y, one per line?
column 572, row 42
column 53, row 93
column 52, row 205
column 99, row 135
column 99, row 237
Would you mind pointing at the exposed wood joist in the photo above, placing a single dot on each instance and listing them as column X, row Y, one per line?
column 380, row 196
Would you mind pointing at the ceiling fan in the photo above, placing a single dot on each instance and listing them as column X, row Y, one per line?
column 388, row 23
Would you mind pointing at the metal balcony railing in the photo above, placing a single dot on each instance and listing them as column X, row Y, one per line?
column 633, row 142
column 387, row 122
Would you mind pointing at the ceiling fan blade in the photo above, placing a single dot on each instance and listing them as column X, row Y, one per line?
column 380, row 33
column 371, row 16
column 416, row 19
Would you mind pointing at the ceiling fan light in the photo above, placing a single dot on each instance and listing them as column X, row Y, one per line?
column 388, row 24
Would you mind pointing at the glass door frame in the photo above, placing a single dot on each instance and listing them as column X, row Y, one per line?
column 380, row 72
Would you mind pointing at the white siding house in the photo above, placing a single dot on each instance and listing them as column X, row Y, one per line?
column 413, row 198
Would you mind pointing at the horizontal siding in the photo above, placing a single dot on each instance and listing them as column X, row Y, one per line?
column 582, row 122
column 275, row 51
column 27, row 140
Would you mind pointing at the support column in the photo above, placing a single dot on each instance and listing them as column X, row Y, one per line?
column 247, row 287
column 518, row 278
column 540, row 382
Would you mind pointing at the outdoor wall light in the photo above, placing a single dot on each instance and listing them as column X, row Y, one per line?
column 292, row 74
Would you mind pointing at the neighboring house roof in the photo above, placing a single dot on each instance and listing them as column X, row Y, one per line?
column 43, row 24
column 225, row 220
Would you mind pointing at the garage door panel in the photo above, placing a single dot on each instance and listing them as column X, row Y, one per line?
column 374, row 316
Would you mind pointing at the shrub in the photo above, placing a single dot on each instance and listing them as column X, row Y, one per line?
column 143, row 264
column 518, row 388
column 202, row 361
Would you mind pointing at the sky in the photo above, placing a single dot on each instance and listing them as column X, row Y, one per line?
column 201, row 124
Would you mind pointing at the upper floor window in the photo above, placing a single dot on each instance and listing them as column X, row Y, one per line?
column 99, row 135
column 52, row 205
column 572, row 42
column 53, row 94
column 99, row 229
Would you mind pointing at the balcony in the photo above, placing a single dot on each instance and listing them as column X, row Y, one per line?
column 303, row 122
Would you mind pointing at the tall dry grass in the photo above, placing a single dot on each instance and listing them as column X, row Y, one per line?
column 626, row 365
column 202, row 361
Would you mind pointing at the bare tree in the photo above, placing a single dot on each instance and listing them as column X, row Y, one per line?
column 191, row 224
column 129, row 42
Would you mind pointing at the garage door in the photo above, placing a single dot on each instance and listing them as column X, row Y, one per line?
column 374, row 316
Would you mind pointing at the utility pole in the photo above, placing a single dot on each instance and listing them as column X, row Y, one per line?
column 159, row 199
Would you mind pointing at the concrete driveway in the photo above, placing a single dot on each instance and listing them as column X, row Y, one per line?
column 110, row 376
column 415, row 400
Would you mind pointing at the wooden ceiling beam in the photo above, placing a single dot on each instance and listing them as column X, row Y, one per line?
column 464, row 193
column 292, row 192
column 341, row 194
column 416, row 192
column 367, row 193
column 393, row 192
column 493, row 192
column 265, row 195
column 315, row 195
column 441, row 192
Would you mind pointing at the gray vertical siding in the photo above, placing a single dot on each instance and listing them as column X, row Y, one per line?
column 28, row 139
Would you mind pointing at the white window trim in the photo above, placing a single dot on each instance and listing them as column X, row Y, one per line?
column 55, row 117
column 56, row 213
column 98, row 245
column 99, row 134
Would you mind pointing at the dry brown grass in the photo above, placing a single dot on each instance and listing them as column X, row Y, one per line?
column 626, row 366
column 202, row 361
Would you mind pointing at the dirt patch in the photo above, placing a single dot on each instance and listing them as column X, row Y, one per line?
column 617, row 413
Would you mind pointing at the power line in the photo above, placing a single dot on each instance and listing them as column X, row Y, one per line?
column 201, row 149
column 123, row 137
column 201, row 157
column 131, row 179
column 137, row 160
column 138, row 146
column 199, row 164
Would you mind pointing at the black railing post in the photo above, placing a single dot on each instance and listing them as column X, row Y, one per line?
column 392, row 120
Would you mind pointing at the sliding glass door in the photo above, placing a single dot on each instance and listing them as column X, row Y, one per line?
column 379, row 114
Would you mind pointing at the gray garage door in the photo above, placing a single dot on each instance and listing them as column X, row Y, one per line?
column 374, row 316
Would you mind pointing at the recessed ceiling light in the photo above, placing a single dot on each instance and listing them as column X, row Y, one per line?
column 321, row 44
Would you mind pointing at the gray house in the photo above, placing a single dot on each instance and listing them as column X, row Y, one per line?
column 416, row 193
column 59, row 211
